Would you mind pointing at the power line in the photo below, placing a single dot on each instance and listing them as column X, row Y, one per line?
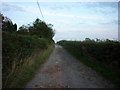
column 40, row 10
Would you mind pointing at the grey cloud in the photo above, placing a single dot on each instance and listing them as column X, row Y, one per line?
column 99, row 7
column 109, row 23
column 11, row 7
column 101, row 4
column 69, row 5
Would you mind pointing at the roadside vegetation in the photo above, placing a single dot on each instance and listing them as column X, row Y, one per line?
column 24, row 50
column 102, row 56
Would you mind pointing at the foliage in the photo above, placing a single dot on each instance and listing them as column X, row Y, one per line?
column 103, row 51
column 21, row 76
column 23, row 30
column 38, row 28
column 103, row 56
column 7, row 25
column 20, row 45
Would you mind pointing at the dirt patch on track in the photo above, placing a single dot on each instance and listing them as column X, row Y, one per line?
column 52, row 70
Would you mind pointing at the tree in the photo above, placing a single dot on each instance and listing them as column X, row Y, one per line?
column 7, row 25
column 15, row 27
column 23, row 30
column 41, row 29
column 38, row 28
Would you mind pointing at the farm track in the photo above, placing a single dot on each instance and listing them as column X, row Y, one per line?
column 61, row 70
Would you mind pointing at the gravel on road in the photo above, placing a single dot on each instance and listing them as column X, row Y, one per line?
column 61, row 70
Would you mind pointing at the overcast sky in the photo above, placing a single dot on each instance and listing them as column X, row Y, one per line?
column 71, row 20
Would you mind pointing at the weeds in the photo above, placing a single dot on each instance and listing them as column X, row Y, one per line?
column 102, row 56
column 22, row 75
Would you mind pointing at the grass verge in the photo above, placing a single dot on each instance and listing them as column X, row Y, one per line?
column 24, row 74
column 110, row 73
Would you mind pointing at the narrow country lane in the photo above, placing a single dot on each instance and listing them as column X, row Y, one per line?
column 61, row 70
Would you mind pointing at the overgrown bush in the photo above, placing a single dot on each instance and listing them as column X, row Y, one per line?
column 104, row 51
column 18, row 47
column 102, row 56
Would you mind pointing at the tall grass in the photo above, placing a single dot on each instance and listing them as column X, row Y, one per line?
column 25, row 72
column 19, row 54
column 102, row 56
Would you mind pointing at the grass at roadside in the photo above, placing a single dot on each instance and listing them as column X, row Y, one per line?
column 102, row 69
column 107, row 69
column 28, row 69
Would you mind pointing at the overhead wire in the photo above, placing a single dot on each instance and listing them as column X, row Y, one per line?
column 40, row 11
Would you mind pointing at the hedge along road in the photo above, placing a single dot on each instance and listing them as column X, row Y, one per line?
column 61, row 70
